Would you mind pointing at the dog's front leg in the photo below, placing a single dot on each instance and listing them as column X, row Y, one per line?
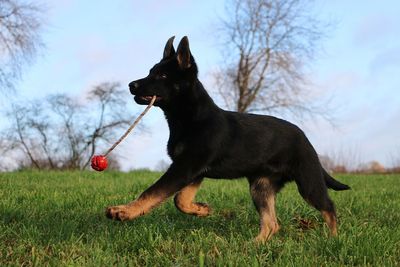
column 171, row 182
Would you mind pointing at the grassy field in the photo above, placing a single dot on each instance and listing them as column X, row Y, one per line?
column 57, row 219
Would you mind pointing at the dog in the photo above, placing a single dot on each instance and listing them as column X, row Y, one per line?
column 206, row 141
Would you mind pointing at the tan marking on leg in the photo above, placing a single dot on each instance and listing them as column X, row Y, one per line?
column 268, row 221
column 330, row 220
column 263, row 195
column 184, row 201
column 134, row 209
column 150, row 198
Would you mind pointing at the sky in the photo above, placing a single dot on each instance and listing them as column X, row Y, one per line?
column 357, row 67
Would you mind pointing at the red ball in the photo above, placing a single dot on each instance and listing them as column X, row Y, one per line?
column 99, row 163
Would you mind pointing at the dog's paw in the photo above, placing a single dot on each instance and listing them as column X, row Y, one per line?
column 201, row 209
column 266, row 234
column 120, row 213
column 261, row 239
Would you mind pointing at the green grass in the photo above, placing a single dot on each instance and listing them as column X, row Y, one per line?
column 57, row 219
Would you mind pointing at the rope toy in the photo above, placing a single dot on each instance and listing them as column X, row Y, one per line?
column 99, row 162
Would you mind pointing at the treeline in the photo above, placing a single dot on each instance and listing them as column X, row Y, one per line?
column 372, row 167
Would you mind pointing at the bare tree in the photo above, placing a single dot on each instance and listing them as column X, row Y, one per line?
column 267, row 44
column 343, row 159
column 20, row 24
column 68, row 119
column 61, row 133
column 20, row 135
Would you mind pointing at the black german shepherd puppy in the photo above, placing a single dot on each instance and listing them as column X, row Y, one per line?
column 206, row 141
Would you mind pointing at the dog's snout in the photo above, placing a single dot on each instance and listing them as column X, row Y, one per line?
column 132, row 86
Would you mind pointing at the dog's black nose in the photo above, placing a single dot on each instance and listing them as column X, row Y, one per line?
column 133, row 86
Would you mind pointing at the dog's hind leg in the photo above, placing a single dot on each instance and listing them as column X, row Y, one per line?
column 313, row 189
column 184, row 200
column 263, row 193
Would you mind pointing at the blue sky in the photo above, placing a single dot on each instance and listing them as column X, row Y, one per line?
column 88, row 42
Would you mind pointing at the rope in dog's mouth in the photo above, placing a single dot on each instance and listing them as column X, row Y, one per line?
column 149, row 98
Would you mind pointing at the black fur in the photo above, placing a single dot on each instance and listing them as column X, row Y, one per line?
column 207, row 141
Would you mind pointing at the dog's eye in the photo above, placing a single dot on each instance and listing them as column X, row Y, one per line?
column 162, row 76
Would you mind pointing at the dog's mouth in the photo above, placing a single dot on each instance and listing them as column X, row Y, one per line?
column 148, row 98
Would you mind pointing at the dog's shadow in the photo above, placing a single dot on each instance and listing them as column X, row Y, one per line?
column 57, row 226
column 172, row 224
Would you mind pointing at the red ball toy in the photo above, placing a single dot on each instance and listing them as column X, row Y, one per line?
column 99, row 163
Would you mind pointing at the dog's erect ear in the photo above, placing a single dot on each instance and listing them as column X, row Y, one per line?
column 169, row 49
column 183, row 53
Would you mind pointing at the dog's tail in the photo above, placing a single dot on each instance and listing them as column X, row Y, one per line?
column 334, row 184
